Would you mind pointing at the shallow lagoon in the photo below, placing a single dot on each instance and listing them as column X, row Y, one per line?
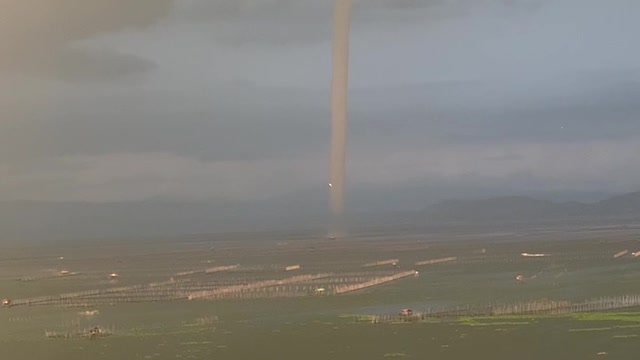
column 325, row 327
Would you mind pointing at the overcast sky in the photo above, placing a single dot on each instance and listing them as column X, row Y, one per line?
column 121, row 100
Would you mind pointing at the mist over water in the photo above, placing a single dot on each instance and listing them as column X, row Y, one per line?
column 339, row 103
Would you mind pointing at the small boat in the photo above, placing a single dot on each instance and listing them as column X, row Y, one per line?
column 524, row 254
column 95, row 332
column 406, row 312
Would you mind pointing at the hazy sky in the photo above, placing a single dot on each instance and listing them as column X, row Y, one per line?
column 114, row 100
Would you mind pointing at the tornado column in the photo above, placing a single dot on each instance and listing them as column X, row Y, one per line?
column 339, row 113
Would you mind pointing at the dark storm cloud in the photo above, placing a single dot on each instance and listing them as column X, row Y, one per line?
column 41, row 37
column 295, row 22
column 237, row 124
column 302, row 22
column 247, row 124
column 280, row 22
column 471, row 112
column 443, row 91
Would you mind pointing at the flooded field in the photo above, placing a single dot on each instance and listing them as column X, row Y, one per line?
column 260, row 312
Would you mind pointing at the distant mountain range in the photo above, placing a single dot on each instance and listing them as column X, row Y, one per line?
column 35, row 221
column 520, row 208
